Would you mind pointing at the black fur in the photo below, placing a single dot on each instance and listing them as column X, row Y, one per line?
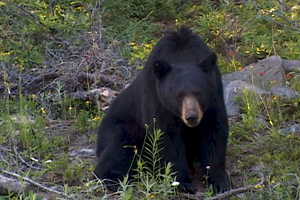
column 180, row 63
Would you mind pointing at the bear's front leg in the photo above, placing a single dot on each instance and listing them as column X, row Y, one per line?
column 213, row 159
column 114, row 163
column 174, row 151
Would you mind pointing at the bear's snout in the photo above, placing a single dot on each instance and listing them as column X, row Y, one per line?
column 191, row 113
column 191, row 118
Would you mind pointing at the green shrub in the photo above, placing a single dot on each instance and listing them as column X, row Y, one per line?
column 28, row 26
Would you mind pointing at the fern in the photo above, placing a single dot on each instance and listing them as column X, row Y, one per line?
column 151, row 156
column 151, row 173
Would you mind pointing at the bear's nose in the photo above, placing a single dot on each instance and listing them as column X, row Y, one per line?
column 191, row 118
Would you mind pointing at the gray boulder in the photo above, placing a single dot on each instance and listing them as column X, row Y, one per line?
column 290, row 65
column 285, row 92
column 267, row 72
column 292, row 129
column 234, row 88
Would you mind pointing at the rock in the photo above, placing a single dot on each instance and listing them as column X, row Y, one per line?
column 104, row 109
column 233, row 89
column 260, row 122
column 88, row 152
column 290, row 65
column 267, row 72
column 9, row 185
column 293, row 129
column 260, row 167
column 83, row 153
column 73, row 153
column 22, row 119
column 285, row 92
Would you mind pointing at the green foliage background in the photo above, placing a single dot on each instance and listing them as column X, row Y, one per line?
column 28, row 27
column 241, row 32
column 255, row 28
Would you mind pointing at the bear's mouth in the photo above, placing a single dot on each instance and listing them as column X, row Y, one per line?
column 191, row 112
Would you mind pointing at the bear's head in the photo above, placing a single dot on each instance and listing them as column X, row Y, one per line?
column 187, row 89
column 185, row 72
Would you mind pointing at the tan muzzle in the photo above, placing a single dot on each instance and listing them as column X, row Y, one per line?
column 191, row 113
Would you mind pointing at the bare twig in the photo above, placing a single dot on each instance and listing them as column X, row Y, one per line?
column 293, row 24
column 283, row 25
column 229, row 193
column 27, row 164
column 35, row 183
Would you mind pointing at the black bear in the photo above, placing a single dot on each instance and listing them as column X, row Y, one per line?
column 181, row 87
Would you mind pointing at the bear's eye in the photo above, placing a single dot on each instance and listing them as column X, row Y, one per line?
column 179, row 96
column 205, row 69
column 198, row 94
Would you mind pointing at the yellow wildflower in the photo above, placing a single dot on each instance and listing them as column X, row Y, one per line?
column 96, row 118
column 43, row 110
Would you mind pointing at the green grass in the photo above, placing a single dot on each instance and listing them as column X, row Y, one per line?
column 38, row 132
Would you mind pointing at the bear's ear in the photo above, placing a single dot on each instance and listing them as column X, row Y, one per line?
column 209, row 62
column 161, row 68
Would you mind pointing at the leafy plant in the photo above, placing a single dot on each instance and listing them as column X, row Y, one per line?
column 152, row 177
column 24, row 45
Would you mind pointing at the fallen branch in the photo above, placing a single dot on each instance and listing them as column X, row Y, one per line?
column 104, row 94
column 82, row 76
column 229, row 193
column 27, row 164
column 35, row 183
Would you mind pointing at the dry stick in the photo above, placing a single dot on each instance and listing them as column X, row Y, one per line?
column 229, row 193
column 34, row 183
column 282, row 16
column 27, row 164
